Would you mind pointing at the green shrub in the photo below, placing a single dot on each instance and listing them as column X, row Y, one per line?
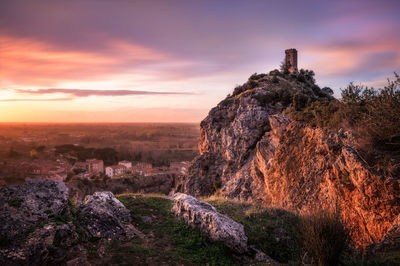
column 324, row 236
column 382, row 111
column 15, row 203
column 237, row 90
column 256, row 76
column 376, row 111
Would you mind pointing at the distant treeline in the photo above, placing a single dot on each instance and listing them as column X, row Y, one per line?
column 108, row 155
column 112, row 156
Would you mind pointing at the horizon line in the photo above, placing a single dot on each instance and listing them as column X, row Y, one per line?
column 52, row 122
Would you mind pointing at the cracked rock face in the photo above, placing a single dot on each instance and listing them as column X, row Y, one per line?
column 216, row 226
column 102, row 215
column 305, row 169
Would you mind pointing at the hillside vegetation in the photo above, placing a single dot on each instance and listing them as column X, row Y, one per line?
column 371, row 114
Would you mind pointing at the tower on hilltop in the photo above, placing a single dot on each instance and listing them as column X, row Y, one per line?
column 291, row 60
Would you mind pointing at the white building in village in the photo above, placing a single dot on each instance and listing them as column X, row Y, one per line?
column 115, row 170
column 127, row 164
column 95, row 166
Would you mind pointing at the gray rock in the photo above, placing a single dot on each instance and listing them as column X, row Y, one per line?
column 260, row 256
column 216, row 226
column 147, row 219
column 233, row 129
column 102, row 215
column 50, row 243
column 27, row 206
column 29, row 235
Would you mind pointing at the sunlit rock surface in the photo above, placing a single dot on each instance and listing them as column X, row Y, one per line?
column 249, row 151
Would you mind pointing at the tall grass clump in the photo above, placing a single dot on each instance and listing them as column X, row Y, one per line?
column 324, row 237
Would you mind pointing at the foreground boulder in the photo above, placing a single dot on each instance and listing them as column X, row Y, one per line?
column 102, row 215
column 216, row 226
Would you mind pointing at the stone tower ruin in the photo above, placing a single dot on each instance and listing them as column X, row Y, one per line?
column 291, row 60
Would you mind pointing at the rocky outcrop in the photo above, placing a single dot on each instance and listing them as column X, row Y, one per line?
column 216, row 226
column 39, row 226
column 231, row 131
column 249, row 151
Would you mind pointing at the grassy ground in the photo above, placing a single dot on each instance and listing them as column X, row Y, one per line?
column 271, row 230
column 166, row 240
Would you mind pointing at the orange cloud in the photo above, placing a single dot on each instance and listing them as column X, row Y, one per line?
column 34, row 63
column 36, row 99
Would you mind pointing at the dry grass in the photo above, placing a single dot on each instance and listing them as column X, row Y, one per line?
column 324, row 237
column 147, row 195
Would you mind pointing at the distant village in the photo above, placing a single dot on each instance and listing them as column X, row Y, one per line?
column 77, row 151
column 94, row 167
column 61, row 169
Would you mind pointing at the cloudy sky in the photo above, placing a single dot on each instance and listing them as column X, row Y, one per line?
column 171, row 61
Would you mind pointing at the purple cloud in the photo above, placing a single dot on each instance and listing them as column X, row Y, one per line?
column 86, row 93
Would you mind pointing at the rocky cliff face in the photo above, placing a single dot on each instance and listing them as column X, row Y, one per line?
column 248, row 151
column 305, row 169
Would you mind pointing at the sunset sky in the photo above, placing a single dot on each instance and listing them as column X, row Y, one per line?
column 171, row 61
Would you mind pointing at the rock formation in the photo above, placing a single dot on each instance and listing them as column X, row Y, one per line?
column 249, row 151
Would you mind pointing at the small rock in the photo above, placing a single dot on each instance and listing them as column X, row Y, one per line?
column 147, row 219
column 260, row 256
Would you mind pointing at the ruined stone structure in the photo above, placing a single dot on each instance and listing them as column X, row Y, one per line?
column 291, row 60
